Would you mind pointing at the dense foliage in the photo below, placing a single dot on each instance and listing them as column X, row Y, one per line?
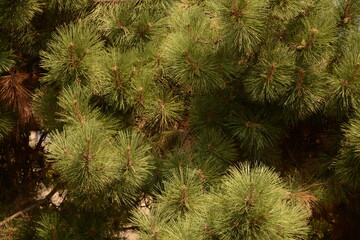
column 180, row 119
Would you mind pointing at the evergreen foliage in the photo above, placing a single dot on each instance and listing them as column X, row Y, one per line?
column 242, row 23
column 182, row 194
column 117, row 82
column 242, row 208
column 215, row 145
column 344, row 84
column 71, row 53
column 6, row 61
column 256, row 136
column 50, row 226
column 347, row 166
column 180, row 119
column 18, row 13
column 83, row 159
column 6, row 123
column 134, row 167
column 189, row 52
column 207, row 112
column 46, row 108
column 306, row 97
column 246, row 212
column 277, row 61
column 68, row 5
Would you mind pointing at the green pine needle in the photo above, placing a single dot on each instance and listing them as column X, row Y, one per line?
column 344, row 90
column 130, row 25
column 348, row 12
column 74, row 54
column 120, row 72
column 6, row 59
column 207, row 112
column 164, row 112
column 46, row 108
column 242, row 23
column 189, row 52
column 6, row 124
column 347, row 167
column 24, row 10
column 133, row 156
column 288, row 9
column 52, row 226
column 151, row 225
column 257, row 133
column 75, row 108
column 193, row 63
column 68, row 5
column 306, row 97
column 252, row 205
column 184, row 228
column 216, row 147
column 85, row 157
column 272, row 76
column 182, row 193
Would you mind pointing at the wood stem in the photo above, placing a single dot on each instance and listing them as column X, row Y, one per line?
column 184, row 196
column 300, row 80
column 72, row 54
column 271, row 72
column 128, row 156
column 347, row 13
column 78, row 113
column 37, row 204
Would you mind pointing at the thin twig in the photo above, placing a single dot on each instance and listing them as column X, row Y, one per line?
column 42, row 138
column 39, row 203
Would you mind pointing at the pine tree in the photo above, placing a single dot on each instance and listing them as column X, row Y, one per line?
column 180, row 119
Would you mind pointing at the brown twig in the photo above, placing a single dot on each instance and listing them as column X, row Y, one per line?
column 140, row 97
column 251, row 124
column 78, row 113
column 201, row 175
column 238, row 11
column 190, row 62
column 88, row 156
column 271, row 72
column 72, row 54
column 37, row 204
column 300, row 80
column 116, row 77
column 184, row 196
column 128, row 156
column 347, row 12
column 41, row 140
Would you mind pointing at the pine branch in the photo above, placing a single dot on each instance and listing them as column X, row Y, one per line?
column 140, row 96
column 78, row 113
column 184, row 195
column 117, row 80
column 271, row 72
column 37, row 204
column 238, row 11
column 72, row 54
column 41, row 140
column 300, row 79
column 130, row 227
column 347, row 12
column 128, row 156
